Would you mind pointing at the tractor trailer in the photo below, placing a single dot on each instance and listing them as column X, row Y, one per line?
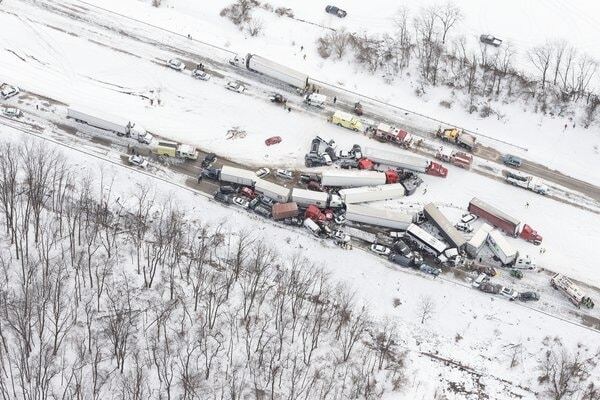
column 527, row 182
column 508, row 224
column 406, row 161
column 111, row 123
column 478, row 240
column 271, row 190
column 339, row 178
column 365, row 194
column 378, row 217
column 274, row 70
column 305, row 197
column 448, row 231
column 238, row 176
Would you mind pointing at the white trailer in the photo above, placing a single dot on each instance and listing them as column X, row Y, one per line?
column 397, row 159
column 378, row 217
column 426, row 240
column 274, row 70
column 108, row 122
column 476, row 243
column 501, row 248
column 272, row 190
column 372, row 193
column 341, row 178
column 448, row 231
column 237, row 175
column 320, row 199
column 360, row 234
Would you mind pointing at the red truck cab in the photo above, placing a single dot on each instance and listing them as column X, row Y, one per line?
column 437, row 169
column 313, row 212
column 531, row 235
column 391, row 176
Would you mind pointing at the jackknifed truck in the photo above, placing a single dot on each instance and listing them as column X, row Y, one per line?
column 378, row 217
column 508, row 224
column 502, row 250
column 572, row 291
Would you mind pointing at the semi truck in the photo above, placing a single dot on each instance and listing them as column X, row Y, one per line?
column 425, row 240
column 501, row 248
column 387, row 133
column 406, row 161
column 111, row 123
column 238, row 176
column 271, row 190
column 346, row 120
column 571, row 290
column 284, row 210
column 478, row 240
column 360, row 234
column 527, row 182
column 365, row 194
column 448, row 231
column 458, row 158
column 320, row 199
column 277, row 71
column 458, row 137
column 508, row 224
column 378, row 217
column 340, row 178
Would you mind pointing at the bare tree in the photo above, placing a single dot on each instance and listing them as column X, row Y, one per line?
column 541, row 58
column 448, row 15
column 564, row 374
column 426, row 308
column 254, row 27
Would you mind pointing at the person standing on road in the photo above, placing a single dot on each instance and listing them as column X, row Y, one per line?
column 334, row 99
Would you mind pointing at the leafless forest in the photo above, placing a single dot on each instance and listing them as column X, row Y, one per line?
column 104, row 301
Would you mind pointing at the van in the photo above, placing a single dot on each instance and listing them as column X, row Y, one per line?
column 312, row 226
column 164, row 148
column 187, row 151
column 315, row 99
column 346, row 120
column 524, row 263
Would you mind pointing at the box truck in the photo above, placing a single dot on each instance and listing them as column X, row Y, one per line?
column 346, row 120
column 501, row 248
column 284, row 210
column 275, row 70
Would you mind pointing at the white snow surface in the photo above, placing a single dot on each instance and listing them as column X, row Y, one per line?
column 75, row 70
column 467, row 326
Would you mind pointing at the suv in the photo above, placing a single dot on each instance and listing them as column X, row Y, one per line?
column 511, row 294
column 529, row 296
column 210, row 173
column 316, row 160
column 222, row 198
column 226, row 189
column 400, row 259
column 263, row 211
column 208, row 160
column 336, row 11
column 284, row 173
column 8, row 91
column 513, row 161
column 176, row 64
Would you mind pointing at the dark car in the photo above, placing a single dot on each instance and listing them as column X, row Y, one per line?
column 254, row 203
column 210, row 173
column 348, row 164
column 277, row 98
column 293, row 221
column 400, row 259
column 222, row 198
column 412, row 184
column 336, row 11
column 226, row 189
column 263, row 211
column 529, row 296
column 209, row 159
column 510, row 160
column 266, row 201
column 315, row 146
column 489, row 39
column 331, row 152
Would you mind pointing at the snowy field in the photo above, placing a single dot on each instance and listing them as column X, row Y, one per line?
column 468, row 327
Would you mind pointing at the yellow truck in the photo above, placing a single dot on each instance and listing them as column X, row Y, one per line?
column 346, row 120
column 173, row 149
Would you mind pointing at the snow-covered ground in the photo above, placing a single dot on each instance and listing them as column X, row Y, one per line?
column 74, row 69
column 466, row 326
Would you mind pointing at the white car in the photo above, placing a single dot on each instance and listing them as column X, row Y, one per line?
column 380, row 250
column 464, row 227
column 138, row 161
column 12, row 112
column 468, row 218
column 340, row 237
column 235, row 87
column 340, row 219
column 199, row 74
column 509, row 293
column 176, row 64
column 241, row 202
column 481, row 278
column 238, row 61
column 8, row 91
column 285, row 174
column 263, row 172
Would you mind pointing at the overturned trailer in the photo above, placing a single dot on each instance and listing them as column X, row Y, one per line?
column 447, row 230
